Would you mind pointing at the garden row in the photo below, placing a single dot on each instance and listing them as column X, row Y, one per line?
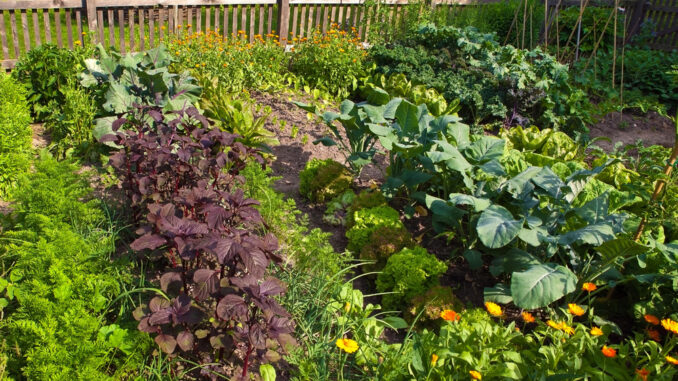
column 225, row 276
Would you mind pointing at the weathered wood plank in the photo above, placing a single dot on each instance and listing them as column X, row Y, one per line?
column 269, row 27
column 69, row 28
column 48, row 26
column 3, row 37
column 234, row 20
column 142, row 30
column 100, row 25
column 302, row 18
column 40, row 4
column 251, row 31
column 261, row 19
column 225, row 26
column 198, row 19
column 326, row 17
column 78, row 24
column 121, row 30
column 111, row 27
column 132, row 33
column 208, row 15
column 151, row 27
column 36, row 27
column 295, row 17
column 57, row 24
column 243, row 18
column 24, row 28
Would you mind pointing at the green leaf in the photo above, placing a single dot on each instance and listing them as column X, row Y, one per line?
column 118, row 99
column 496, row 227
column 478, row 204
column 595, row 234
column 378, row 96
column 541, row 285
column 500, row 293
column 474, row 258
column 395, row 322
column 485, row 149
column 326, row 141
column 550, row 182
column 267, row 372
column 513, row 260
column 407, row 116
column 621, row 247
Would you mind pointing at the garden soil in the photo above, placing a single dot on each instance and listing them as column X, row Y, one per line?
column 651, row 129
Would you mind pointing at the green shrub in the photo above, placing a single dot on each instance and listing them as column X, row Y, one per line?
column 45, row 70
column 15, row 132
column 60, row 282
column 70, row 125
column 408, row 273
column 369, row 220
column 322, row 180
column 383, row 242
column 368, row 198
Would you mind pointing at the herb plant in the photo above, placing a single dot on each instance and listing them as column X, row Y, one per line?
column 217, row 300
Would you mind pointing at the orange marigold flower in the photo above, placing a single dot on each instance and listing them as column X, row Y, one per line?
column 588, row 287
column 476, row 375
column 347, row 345
column 651, row 319
column 434, row 359
column 450, row 315
column 527, row 317
column 643, row 373
column 672, row 360
column 670, row 325
column 493, row 309
column 653, row 334
column 608, row 352
column 575, row 309
column 595, row 331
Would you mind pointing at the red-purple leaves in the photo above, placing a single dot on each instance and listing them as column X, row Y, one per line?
column 180, row 177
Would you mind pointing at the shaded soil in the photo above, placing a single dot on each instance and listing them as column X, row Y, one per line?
column 651, row 129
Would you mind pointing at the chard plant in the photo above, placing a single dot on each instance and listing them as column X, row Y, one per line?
column 217, row 302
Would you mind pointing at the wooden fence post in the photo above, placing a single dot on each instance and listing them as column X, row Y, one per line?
column 92, row 23
column 283, row 19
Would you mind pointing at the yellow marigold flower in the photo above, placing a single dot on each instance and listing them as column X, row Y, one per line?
column 588, row 286
column 450, row 315
column 595, row 331
column 347, row 345
column 672, row 360
column 77, row 42
column 608, row 352
column 434, row 359
column 475, row 375
column 651, row 319
column 575, row 309
column 347, row 307
column 670, row 325
column 493, row 309
column 189, row 26
column 566, row 328
column 527, row 317
column 554, row 325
